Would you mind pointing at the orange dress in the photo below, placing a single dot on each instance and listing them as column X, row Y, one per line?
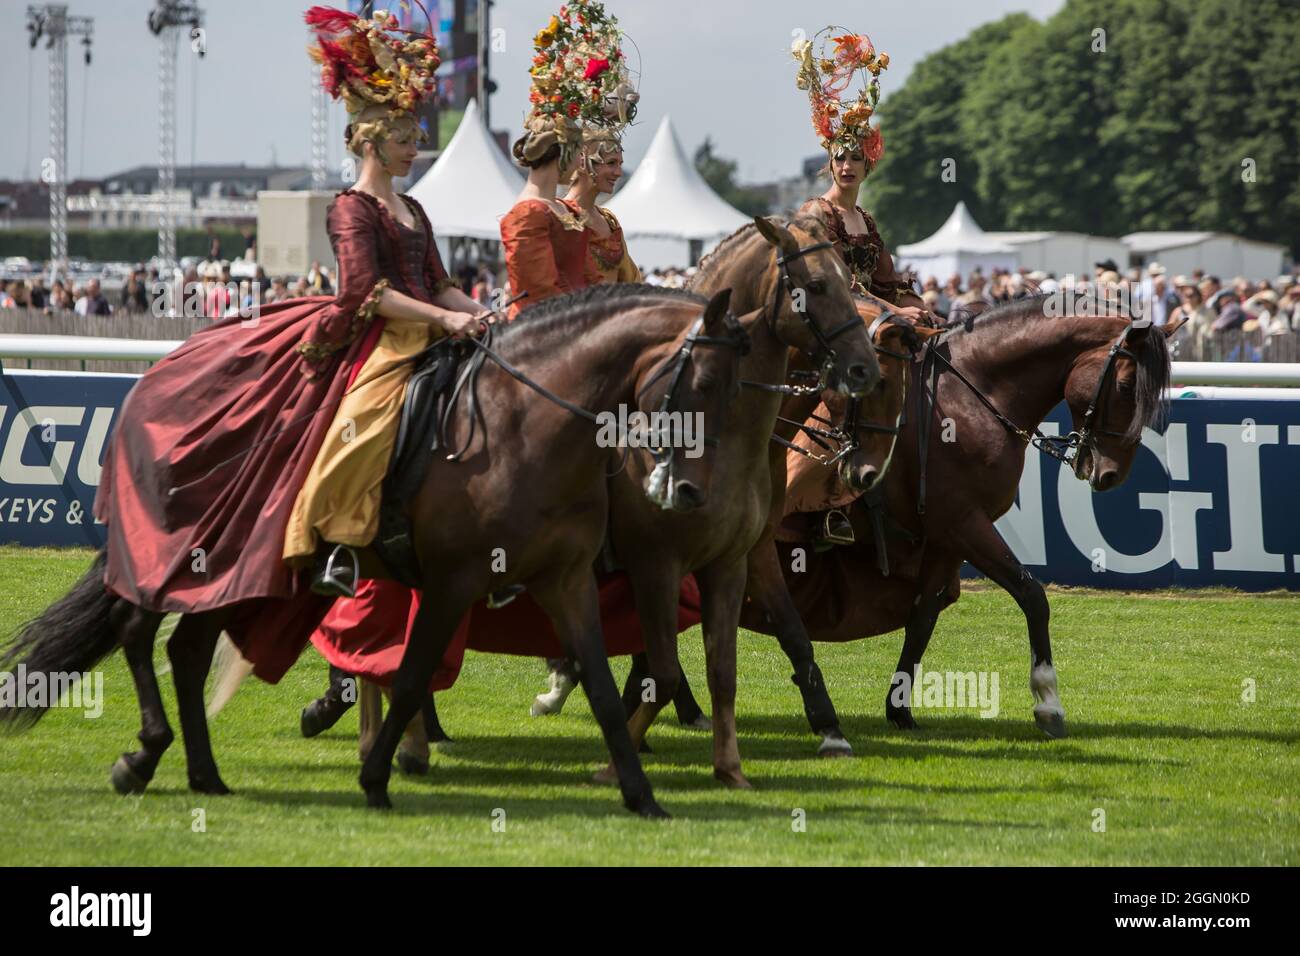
column 546, row 254
column 608, row 254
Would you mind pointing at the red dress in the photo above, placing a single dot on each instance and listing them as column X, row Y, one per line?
column 213, row 443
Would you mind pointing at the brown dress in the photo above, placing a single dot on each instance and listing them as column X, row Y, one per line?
column 865, row 254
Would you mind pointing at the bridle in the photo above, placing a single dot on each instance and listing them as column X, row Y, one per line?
column 846, row 435
column 1064, row 448
column 825, row 351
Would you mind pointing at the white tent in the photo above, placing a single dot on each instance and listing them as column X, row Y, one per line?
column 1218, row 253
column 471, row 185
column 1063, row 253
column 669, row 214
column 961, row 246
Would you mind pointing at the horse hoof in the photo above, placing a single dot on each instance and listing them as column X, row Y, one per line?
column 733, row 779
column 378, row 800
column 902, row 720
column 701, row 722
column 650, row 810
column 1052, row 724
column 125, row 780
column 216, row 788
column 606, row 775
column 310, row 723
column 411, row 766
column 542, row 707
column 834, row 745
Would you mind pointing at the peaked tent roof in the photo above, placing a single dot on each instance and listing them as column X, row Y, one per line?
column 667, row 198
column 961, row 233
column 471, row 185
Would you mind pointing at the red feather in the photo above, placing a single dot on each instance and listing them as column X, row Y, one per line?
column 329, row 19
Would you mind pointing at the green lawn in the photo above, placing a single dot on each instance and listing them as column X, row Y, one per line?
column 1160, row 739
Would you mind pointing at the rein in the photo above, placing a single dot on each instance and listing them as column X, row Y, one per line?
column 1064, row 448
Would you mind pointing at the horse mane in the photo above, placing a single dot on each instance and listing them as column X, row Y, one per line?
column 709, row 263
column 1153, row 366
column 570, row 315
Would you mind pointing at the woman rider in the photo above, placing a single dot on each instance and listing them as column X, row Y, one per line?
column 599, row 170
column 854, row 148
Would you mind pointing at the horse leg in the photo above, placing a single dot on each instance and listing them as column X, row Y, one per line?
column 563, row 678
column 931, row 597
column 326, row 711
column 431, row 632
column 370, row 717
column 432, row 726
column 190, row 651
column 722, row 591
column 766, row 587
column 649, row 687
column 136, row 629
column 985, row 549
column 413, row 752
column 572, row 603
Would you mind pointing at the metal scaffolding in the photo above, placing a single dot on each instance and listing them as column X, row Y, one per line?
column 165, row 22
column 52, row 21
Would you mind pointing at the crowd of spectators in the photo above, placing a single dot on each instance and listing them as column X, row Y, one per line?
column 1209, row 305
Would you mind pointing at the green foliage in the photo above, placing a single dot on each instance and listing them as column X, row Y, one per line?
column 720, row 174
column 1112, row 116
column 118, row 245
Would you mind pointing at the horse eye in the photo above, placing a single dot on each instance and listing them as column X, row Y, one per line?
column 817, row 286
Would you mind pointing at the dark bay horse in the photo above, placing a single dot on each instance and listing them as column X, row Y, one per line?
column 532, row 482
column 1018, row 361
column 800, row 288
column 873, row 424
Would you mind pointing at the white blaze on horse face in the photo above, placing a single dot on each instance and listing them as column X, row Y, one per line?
column 1047, row 701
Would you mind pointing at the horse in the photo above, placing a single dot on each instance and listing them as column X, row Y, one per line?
column 871, row 425
column 800, row 288
column 979, row 394
column 531, row 480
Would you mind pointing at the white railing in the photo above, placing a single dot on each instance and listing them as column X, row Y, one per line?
column 74, row 347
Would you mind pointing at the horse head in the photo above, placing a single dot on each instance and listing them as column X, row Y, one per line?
column 685, row 399
column 873, row 421
column 1113, row 390
column 811, row 307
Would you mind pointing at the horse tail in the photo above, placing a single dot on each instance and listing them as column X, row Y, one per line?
column 73, row 635
column 229, row 668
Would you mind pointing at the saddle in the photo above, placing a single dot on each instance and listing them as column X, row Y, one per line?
column 430, row 395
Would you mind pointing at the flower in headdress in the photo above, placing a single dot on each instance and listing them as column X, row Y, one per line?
column 595, row 67
column 826, row 75
column 546, row 36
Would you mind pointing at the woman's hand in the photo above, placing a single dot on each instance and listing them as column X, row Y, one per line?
column 911, row 312
column 461, row 324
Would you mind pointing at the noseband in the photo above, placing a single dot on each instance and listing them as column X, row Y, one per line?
column 786, row 283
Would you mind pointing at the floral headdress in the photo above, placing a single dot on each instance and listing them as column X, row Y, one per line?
column 827, row 75
column 580, row 81
column 380, row 72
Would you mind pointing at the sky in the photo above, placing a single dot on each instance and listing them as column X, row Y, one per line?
column 720, row 68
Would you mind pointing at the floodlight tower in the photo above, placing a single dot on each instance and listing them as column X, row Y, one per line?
column 165, row 22
column 52, row 21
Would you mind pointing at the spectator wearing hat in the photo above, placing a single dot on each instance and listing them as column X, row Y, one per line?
column 1200, row 317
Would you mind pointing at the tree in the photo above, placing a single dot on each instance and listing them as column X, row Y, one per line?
column 720, row 174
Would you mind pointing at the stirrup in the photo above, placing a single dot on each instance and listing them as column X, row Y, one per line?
column 836, row 530
column 503, row 596
column 338, row 578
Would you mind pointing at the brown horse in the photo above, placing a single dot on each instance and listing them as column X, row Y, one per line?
column 800, row 287
column 957, row 469
column 531, row 484
column 872, row 426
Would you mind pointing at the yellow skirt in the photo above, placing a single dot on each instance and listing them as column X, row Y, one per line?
column 339, row 501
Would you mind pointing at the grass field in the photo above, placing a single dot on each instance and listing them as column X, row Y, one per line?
column 1160, row 739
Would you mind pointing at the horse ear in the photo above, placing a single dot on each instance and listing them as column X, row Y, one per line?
column 716, row 310
column 776, row 235
column 1169, row 328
